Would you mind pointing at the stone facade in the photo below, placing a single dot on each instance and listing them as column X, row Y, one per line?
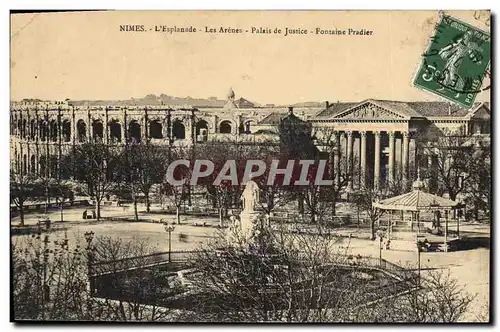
column 377, row 136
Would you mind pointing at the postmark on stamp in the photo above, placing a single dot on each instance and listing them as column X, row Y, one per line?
column 456, row 62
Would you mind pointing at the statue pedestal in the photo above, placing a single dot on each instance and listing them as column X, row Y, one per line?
column 249, row 221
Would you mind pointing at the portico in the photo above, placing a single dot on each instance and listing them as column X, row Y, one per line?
column 375, row 143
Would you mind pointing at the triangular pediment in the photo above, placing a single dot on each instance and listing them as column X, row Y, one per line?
column 371, row 111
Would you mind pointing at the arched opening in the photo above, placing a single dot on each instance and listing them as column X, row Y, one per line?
column 178, row 130
column 23, row 132
column 246, row 127
column 134, row 131
column 97, row 130
column 81, row 130
column 53, row 167
column 25, row 164
column 32, row 129
column 42, row 165
column 225, row 127
column 66, row 130
column 53, row 130
column 155, row 129
column 115, row 131
column 202, row 124
column 201, row 130
column 44, row 130
column 33, row 164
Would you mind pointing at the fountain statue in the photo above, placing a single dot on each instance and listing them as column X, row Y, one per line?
column 244, row 228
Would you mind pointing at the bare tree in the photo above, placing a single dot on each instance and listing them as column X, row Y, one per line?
column 281, row 276
column 51, row 280
column 438, row 299
column 129, row 286
column 364, row 198
column 147, row 166
column 22, row 188
column 96, row 165
column 177, row 193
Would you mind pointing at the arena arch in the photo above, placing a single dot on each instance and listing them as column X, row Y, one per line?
column 24, row 129
column 32, row 129
column 42, row 165
column 81, row 130
column 246, row 127
column 155, row 129
column 53, row 130
column 66, row 131
column 134, row 131
column 201, row 124
column 33, row 164
column 115, row 131
column 44, row 130
column 97, row 130
column 178, row 130
column 25, row 164
column 226, row 127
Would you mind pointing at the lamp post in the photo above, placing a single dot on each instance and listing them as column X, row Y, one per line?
column 89, row 236
column 381, row 238
column 169, row 229
column 419, row 246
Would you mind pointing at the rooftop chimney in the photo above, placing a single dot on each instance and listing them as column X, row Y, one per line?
column 327, row 104
column 449, row 109
column 290, row 110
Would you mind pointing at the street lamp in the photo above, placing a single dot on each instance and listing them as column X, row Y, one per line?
column 381, row 238
column 419, row 250
column 89, row 236
column 169, row 229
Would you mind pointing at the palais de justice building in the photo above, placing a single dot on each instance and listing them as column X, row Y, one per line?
column 378, row 136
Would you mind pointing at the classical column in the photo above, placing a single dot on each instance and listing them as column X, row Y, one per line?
column 337, row 158
column 405, row 157
column 349, row 159
column 392, row 155
column 363, row 158
column 105, row 126
column 376, row 166
column 124, row 127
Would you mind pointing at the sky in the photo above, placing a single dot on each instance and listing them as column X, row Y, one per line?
column 84, row 55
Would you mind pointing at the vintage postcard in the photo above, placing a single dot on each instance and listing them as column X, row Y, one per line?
column 250, row 166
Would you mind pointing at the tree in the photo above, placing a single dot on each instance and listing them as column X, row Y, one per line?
column 226, row 194
column 176, row 193
column 131, row 290
column 439, row 299
column 50, row 280
column 478, row 192
column 140, row 167
column 96, row 165
column 147, row 166
column 22, row 188
column 280, row 276
column 454, row 163
column 364, row 198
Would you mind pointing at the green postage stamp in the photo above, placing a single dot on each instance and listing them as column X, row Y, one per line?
column 456, row 62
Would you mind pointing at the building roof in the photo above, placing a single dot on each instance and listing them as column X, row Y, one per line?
column 272, row 119
column 243, row 103
column 416, row 200
column 334, row 109
column 438, row 108
column 409, row 109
